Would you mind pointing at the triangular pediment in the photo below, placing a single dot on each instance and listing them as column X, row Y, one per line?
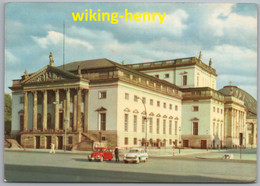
column 50, row 74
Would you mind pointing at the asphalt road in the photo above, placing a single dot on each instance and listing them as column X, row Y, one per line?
column 44, row 167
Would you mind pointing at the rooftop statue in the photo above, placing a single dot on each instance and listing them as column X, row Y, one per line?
column 51, row 59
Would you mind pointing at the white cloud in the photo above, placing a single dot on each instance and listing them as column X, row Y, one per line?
column 173, row 24
column 56, row 38
column 10, row 58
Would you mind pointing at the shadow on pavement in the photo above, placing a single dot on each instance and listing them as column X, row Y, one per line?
column 20, row 173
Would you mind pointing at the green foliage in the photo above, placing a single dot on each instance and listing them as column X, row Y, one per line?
column 8, row 113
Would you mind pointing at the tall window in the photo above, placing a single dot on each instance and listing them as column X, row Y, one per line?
column 217, row 129
column 164, row 105
column 170, row 126
column 195, row 128
column 126, row 96
column 176, row 127
column 21, row 122
column 151, row 125
column 214, row 132
column 198, row 80
column 143, row 123
column 184, row 80
column 126, row 122
column 103, row 121
column 158, row 103
column 164, row 126
column 126, row 141
column 144, row 100
column 170, row 106
column 214, row 109
column 151, row 101
column 135, row 123
column 135, row 141
column 176, row 107
column 135, row 98
column 158, row 126
column 102, row 94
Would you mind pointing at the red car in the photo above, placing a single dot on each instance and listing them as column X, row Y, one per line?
column 101, row 154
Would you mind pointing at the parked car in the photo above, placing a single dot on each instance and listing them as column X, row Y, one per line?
column 136, row 155
column 101, row 154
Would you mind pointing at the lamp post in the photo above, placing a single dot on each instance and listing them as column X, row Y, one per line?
column 207, row 140
column 145, row 122
column 179, row 139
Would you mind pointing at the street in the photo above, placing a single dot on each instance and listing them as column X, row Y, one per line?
column 62, row 167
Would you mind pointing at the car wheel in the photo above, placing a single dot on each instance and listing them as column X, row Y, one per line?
column 89, row 159
column 109, row 159
column 101, row 159
column 126, row 161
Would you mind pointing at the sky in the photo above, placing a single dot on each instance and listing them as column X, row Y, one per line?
column 225, row 32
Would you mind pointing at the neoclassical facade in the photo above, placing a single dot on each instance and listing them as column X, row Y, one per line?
column 103, row 103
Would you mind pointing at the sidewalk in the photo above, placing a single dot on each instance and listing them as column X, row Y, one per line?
column 187, row 152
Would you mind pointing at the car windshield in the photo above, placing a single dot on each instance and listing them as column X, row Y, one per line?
column 100, row 150
column 134, row 151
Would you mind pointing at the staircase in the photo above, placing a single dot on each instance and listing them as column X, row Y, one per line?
column 12, row 143
column 87, row 142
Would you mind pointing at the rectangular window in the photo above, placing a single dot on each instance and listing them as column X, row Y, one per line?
column 164, row 126
column 158, row 126
column 170, row 126
column 103, row 121
column 103, row 138
column 184, row 80
column 166, row 75
column 126, row 122
column 22, row 99
column 135, row 98
column 151, row 125
column 143, row 123
column 135, row 123
column 170, row 106
column 164, row 105
column 195, row 108
column 176, row 107
column 217, row 110
column 214, row 132
column 195, row 128
column 144, row 100
column 221, row 111
column 102, row 94
column 176, row 128
column 213, row 109
column 151, row 101
column 135, row 141
column 126, row 141
column 126, row 96
column 70, row 139
column 156, row 75
column 158, row 103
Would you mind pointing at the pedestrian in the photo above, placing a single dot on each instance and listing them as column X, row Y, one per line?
column 52, row 148
column 117, row 154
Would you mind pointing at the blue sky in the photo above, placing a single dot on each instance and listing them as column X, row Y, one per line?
column 225, row 32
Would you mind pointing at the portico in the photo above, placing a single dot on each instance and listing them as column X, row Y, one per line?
column 57, row 107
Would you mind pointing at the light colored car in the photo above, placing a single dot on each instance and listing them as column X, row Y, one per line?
column 136, row 155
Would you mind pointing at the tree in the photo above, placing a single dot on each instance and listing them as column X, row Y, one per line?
column 8, row 113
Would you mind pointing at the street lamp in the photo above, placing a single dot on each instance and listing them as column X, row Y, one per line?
column 207, row 140
column 145, row 122
column 179, row 139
